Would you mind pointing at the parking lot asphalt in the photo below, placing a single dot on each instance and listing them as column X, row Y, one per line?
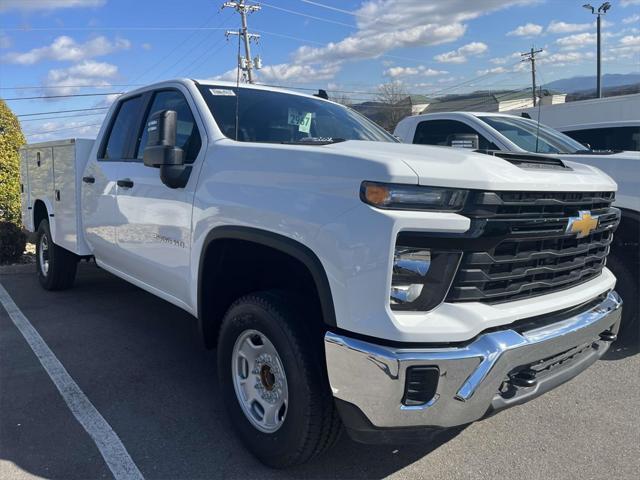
column 141, row 363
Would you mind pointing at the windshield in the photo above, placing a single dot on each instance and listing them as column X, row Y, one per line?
column 274, row 117
column 527, row 135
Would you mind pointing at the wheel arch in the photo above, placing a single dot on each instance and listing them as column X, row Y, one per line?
column 43, row 210
column 626, row 239
column 211, row 262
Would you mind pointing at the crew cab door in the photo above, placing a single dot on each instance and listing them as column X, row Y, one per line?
column 155, row 238
column 100, row 214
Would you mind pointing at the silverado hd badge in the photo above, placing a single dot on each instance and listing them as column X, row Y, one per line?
column 583, row 224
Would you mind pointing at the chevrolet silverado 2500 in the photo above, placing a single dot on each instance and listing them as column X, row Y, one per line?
column 508, row 133
column 346, row 279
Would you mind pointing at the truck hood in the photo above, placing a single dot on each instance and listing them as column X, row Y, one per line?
column 450, row 167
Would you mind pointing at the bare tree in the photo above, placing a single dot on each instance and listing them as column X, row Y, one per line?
column 395, row 104
column 342, row 99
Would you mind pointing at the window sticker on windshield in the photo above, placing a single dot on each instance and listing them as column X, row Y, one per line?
column 305, row 126
column 222, row 92
column 301, row 119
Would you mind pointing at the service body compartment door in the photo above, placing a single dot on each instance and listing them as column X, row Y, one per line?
column 64, row 197
column 25, row 201
column 40, row 166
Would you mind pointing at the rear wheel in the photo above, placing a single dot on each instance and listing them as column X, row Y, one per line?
column 56, row 266
column 272, row 380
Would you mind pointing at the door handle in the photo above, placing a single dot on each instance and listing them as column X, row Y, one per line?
column 88, row 180
column 125, row 183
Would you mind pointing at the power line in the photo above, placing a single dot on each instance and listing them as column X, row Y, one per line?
column 92, row 29
column 62, row 96
column 61, row 116
column 31, row 87
column 328, row 7
column 45, row 132
column 313, row 17
column 61, row 111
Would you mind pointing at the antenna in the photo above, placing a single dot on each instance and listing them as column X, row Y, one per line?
column 246, row 63
column 531, row 57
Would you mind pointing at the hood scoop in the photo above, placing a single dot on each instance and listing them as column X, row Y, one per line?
column 529, row 160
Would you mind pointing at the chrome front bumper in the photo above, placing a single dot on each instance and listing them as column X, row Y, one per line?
column 472, row 377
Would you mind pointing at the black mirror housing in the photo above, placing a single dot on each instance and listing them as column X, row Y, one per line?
column 161, row 140
column 469, row 141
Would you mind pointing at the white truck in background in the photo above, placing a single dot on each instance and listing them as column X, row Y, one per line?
column 508, row 133
column 347, row 280
column 611, row 123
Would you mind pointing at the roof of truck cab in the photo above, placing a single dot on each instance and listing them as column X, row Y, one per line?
column 223, row 83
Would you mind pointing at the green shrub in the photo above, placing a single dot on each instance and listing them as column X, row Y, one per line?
column 12, row 242
column 11, row 139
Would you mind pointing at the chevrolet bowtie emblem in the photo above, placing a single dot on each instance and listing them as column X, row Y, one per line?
column 583, row 224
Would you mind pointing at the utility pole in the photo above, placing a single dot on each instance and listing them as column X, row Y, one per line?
column 530, row 56
column 246, row 64
column 601, row 11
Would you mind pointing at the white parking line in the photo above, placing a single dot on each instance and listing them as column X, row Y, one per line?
column 111, row 448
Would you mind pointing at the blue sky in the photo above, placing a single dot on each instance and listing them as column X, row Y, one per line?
column 62, row 47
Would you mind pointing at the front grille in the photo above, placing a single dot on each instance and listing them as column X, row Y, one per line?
column 531, row 253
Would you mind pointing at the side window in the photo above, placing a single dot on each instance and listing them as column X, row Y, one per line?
column 125, row 121
column 438, row 132
column 612, row 138
column 188, row 136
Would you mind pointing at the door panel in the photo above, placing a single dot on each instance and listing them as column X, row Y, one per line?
column 155, row 237
column 99, row 183
column 99, row 212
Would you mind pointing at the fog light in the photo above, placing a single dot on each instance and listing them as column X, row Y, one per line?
column 421, row 277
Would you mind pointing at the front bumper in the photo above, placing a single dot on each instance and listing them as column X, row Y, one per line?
column 475, row 379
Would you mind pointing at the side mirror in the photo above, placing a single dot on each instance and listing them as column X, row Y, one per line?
column 161, row 147
column 469, row 141
column 161, row 151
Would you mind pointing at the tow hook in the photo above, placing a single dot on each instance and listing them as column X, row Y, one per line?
column 524, row 378
column 608, row 336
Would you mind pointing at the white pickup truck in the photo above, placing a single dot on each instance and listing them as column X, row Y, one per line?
column 508, row 133
column 346, row 279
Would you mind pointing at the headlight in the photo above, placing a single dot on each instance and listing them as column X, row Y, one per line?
column 421, row 277
column 412, row 197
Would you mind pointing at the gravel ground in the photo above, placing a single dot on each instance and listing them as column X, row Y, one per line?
column 141, row 363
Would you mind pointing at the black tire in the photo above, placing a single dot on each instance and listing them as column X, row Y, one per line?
column 61, row 271
column 627, row 288
column 311, row 424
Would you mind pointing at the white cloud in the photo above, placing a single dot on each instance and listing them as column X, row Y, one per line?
column 385, row 25
column 65, row 81
column 6, row 5
column 67, row 49
column 630, row 41
column 528, row 30
column 461, row 54
column 64, row 129
column 561, row 59
column 396, row 72
column 577, row 41
column 493, row 70
column 563, row 27
column 284, row 72
column 5, row 40
column 506, row 59
column 626, row 3
column 632, row 19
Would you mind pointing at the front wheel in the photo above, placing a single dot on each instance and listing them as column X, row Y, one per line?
column 627, row 287
column 272, row 381
column 56, row 266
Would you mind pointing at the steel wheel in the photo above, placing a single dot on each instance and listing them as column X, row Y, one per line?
column 259, row 381
column 44, row 255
